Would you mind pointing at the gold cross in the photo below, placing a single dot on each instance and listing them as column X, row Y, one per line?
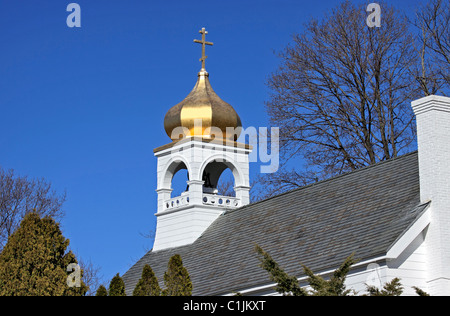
column 204, row 43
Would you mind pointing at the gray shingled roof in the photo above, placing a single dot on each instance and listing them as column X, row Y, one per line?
column 363, row 212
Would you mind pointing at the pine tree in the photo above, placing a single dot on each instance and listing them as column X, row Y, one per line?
column 101, row 291
column 177, row 279
column 335, row 286
column 289, row 286
column 117, row 286
column 393, row 288
column 420, row 292
column 286, row 285
column 34, row 261
column 147, row 284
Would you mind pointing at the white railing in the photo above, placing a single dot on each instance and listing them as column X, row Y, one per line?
column 208, row 199
column 177, row 201
column 220, row 200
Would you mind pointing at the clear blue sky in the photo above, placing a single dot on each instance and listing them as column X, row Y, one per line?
column 84, row 107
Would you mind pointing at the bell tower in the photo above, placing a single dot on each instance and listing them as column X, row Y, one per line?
column 204, row 130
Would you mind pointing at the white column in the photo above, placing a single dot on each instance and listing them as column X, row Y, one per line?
column 195, row 192
column 163, row 195
column 243, row 194
column 433, row 136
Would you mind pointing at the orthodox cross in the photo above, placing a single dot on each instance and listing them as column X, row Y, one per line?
column 204, row 43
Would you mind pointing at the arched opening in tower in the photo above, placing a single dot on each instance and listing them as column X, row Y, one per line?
column 219, row 179
column 180, row 177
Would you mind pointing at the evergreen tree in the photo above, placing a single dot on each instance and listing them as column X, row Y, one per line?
column 420, row 292
column 286, row 285
column 101, row 291
column 393, row 288
column 147, row 284
column 34, row 261
column 177, row 279
column 117, row 286
column 289, row 286
column 335, row 286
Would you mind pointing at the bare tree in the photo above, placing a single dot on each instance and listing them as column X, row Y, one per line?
column 342, row 95
column 91, row 276
column 225, row 186
column 19, row 196
column 433, row 23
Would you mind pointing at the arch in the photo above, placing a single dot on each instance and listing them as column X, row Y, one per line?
column 216, row 164
column 174, row 165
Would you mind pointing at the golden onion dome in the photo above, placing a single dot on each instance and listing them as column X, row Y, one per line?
column 202, row 113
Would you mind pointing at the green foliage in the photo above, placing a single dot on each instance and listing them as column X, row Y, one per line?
column 177, row 279
column 333, row 287
column 289, row 286
column 286, row 284
column 34, row 260
column 393, row 288
column 117, row 286
column 147, row 284
column 420, row 292
column 101, row 291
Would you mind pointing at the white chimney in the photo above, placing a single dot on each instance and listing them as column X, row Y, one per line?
column 433, row 137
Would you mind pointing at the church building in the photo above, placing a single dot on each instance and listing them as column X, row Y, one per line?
column 393, row 216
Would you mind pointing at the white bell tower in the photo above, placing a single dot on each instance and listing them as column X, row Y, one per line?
column 204, row 130
column 182, row 219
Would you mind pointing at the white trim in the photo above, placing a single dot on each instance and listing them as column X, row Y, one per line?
column 408, row 237
column 189, row 142
column 164, row 181
column 198, row 206
column 429, row 103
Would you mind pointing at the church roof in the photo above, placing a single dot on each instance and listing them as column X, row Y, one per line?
column 363, row 212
